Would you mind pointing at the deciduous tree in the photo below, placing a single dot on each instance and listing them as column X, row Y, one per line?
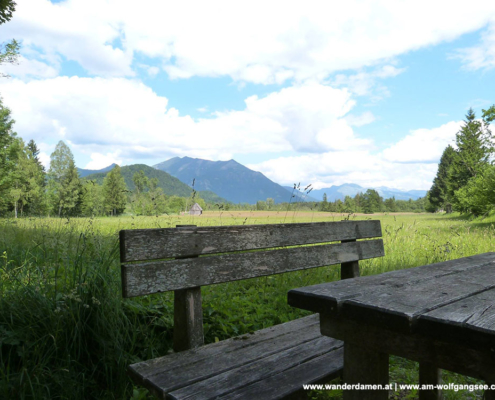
column 64, row 184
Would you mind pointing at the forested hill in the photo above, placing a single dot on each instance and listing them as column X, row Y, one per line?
column 171, row 186
column 85, row 172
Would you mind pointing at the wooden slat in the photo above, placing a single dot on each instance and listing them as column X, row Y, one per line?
column 330, row 296
column 400, row 307
column 141, row 279
column 252, row 372
column 470, row 320
column 146, row 369
column 236, row 353
column 288, row 384
column 152, row 244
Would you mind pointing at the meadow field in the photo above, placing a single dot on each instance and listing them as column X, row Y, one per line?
column 66, row 332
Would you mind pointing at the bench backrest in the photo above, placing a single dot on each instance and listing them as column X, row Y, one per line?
column 185, row 258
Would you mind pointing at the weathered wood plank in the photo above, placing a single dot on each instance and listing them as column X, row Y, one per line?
column 469, row 320
column 327, row 297
column 252, row 372
column 151, row 244
column 188, row 316
column 445, row 355
column 364, row 366
column 306, row 327
column 399, row 307
column 288, row 384
column 350, row 269
column 164, row 380
column 141, row 279
column 188, row 319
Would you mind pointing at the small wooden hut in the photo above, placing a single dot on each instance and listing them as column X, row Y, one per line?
column 196, row 210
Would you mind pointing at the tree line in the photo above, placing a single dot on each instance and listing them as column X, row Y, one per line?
column 368, row 202
column 465, row 180
column 27, row 189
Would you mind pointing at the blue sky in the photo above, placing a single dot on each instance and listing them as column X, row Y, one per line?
column 362, row 92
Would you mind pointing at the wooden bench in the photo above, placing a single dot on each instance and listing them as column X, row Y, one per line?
column 271, row 363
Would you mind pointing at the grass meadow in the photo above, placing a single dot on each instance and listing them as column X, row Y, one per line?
column 66, row 333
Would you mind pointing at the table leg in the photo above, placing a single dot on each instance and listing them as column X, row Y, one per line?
column 489, row 394
column 429, row 374
column 365, row 367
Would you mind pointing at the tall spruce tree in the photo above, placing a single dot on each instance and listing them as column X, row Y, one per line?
column 114, row 191
column 438, row 195
column 63, row 181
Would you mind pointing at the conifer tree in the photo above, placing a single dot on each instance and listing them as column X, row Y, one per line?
column 114, row 191
column 26, row 186
column 438, row 195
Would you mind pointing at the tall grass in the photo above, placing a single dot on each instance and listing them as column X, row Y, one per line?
column 66, row 333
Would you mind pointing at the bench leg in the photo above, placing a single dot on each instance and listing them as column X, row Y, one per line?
column 188, row 319
column 365, row 367
column 429, row 374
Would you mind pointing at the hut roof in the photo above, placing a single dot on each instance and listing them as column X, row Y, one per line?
column 196, row 207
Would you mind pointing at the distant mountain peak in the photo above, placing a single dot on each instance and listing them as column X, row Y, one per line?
column 85, row 172
column 228, row 179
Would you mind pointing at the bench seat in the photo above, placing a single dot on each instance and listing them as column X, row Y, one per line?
column 268, row 364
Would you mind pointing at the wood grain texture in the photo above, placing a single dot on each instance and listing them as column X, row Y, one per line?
column 144, row 370
column 188, row 319
column 161, row 276
column 445, row 355
column 469, row 320
column 152, row 244
column 400, row 307
column 181, row 370
column 329, row 297
column 252, row 372
column 349, row 270
column 288, row 384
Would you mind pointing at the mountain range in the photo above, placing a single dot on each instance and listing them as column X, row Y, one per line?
column 230, row 181
column 85, row 172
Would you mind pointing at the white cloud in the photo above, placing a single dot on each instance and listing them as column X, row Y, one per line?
column 365, row 83
column 336, row 168
column 423, row 145
column 103, row 116
column 411, row 163
column 359, row 120
column 481, row 56
column 30, row 68
column 99, row 161
column 120, row 120
column 74, row 30
column 224, row 38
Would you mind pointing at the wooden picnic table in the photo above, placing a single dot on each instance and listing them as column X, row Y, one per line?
column 441, row 315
